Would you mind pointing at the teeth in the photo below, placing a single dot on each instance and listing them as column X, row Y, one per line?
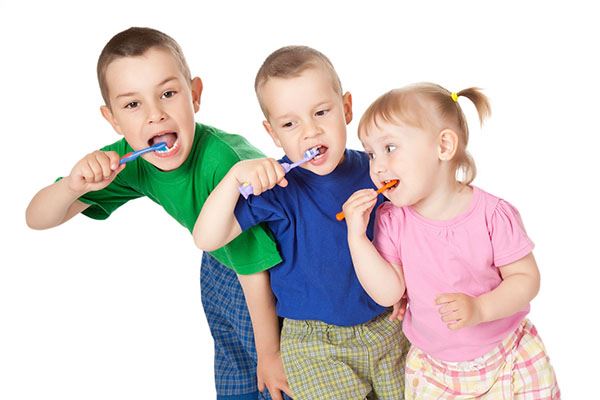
column 168, row 150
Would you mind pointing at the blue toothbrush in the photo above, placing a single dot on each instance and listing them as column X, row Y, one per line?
column 136, row 154
column 246, row 189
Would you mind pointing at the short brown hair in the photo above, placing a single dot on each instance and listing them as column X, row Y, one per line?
column 135, row 42
column 290, row 62
column 428, row 105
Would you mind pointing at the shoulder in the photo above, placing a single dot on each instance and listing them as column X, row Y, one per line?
column 498, row 210
column 357, row 157
column 121, row 147
column 387, row 212
column 217, row 143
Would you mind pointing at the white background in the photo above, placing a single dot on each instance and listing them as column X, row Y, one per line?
column 111, row 309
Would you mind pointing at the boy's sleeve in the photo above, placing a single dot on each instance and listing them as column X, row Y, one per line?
column 255, row 249
column 102, row 203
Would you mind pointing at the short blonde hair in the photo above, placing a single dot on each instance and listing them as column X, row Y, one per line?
column 290, row 62
column 430, row 106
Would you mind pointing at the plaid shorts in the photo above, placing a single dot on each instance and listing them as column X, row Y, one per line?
column 231, row 328
column 325, row 361
column 517, row 369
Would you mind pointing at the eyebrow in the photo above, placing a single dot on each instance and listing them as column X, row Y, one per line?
column 128, row 94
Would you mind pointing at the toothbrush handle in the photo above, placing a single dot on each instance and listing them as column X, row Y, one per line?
column 246, row 189
column 136, row 154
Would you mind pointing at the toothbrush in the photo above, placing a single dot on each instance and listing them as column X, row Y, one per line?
column 340, row 216
column 246, row 189
column 136, row 154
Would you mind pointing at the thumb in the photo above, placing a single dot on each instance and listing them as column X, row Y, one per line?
column 283, row 182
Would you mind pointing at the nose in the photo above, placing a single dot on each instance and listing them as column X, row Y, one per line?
column 312, row 129
column 155, row 113
column 378, row 165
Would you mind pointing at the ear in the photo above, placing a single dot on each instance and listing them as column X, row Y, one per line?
column 347, row 102
column 108, row 115
column 196, row 92
column 447, row 144
column 271, row 133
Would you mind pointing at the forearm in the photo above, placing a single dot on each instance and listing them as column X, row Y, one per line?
column 514, row 293
column 216, row 225
column 261, row 305
column 53, row 205
column 380, row 279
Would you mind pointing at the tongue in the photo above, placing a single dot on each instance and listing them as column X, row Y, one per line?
column 168, row 138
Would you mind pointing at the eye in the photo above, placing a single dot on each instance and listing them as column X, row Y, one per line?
column 287, row 125
column 371, row 155
column 321, row 113
column 132, row 104
column 389, row 148
column 168, row 94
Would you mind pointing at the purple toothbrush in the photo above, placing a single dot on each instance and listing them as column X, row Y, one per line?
column 246, row 189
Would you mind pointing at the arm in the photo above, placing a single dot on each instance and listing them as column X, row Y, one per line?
column 261, row 305
column 217, row 216
column 520, row 284
column 383, row 281
column 57, row 203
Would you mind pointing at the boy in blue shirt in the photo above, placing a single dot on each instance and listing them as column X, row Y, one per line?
column 336, row 342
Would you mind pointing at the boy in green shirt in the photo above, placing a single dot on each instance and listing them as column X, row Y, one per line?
column 150, row 97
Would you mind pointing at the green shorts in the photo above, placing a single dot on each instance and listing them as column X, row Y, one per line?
column 325, row 361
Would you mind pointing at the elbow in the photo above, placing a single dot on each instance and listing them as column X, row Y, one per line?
column 388, row 299
column 204, row 245
column 32, row 223
column 535, row 287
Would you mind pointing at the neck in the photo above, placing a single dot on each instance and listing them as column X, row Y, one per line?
column 448, row 199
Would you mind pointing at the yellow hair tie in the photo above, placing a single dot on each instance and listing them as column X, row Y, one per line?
column 454, row 96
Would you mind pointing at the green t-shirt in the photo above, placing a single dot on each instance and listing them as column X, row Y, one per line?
column 183, row 191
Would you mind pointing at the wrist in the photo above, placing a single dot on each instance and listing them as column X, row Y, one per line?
column 481, row 309
column 67, row 183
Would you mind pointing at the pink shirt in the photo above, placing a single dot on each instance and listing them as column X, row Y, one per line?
column 460, row 255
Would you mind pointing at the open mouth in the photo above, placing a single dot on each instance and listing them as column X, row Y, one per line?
column 171, row 140
column 390, row 184
column 322, row 150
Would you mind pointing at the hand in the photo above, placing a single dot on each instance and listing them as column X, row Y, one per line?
column 399, row 309
column 270, row 374
column 262, row 173
column 459, row 310
column 357, row 210
column 94, row 171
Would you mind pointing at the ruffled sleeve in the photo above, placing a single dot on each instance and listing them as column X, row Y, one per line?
column 387, row 233
column 509, row 239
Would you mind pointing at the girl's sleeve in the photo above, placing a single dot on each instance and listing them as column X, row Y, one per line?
column 509, row 239
column 387, row 233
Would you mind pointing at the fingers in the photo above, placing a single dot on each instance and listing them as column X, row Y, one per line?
column 98, row 166
column 275, row 394
column 266, row 174
column 360, row 201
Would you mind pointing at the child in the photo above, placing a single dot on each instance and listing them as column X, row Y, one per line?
column 463, row 253
column 336, row 342
column 150, row 97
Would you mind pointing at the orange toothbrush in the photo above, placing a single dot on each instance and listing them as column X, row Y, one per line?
column 340, row 216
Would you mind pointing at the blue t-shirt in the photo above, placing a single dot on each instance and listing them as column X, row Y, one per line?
column 316, row 279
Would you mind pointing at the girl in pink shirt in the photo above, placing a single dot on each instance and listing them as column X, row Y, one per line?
column 461, row 254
